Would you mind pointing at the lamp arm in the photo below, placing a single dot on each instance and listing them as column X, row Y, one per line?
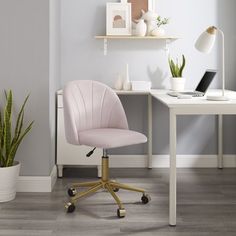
column 223, row 61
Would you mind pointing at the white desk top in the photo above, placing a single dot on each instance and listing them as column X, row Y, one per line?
column 173, row 102
column 169, row 101
column 121, row 92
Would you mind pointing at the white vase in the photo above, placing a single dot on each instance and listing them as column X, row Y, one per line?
column 127, row 84
column 119, row 83
column 177, row 84
column 150, row 18
column 150, row 27
column 8, row 181
column 141, row 28
column 158, row 32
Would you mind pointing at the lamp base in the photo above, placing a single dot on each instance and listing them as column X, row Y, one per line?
column 217, row 98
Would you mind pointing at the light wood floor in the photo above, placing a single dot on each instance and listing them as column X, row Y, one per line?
column 206, row 206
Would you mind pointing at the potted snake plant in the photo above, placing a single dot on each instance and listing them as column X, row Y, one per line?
column 9, row 142
column 177, row 81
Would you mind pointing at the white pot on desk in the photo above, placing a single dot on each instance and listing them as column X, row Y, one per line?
column 177, row 83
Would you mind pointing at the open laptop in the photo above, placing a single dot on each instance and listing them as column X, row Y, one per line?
column 201, row 87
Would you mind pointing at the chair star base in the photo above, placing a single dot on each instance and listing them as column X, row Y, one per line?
column 105, row 183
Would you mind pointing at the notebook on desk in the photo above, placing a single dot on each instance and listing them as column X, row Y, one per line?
column 201, row 87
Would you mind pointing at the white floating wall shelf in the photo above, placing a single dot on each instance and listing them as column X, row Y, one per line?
column 105, row 38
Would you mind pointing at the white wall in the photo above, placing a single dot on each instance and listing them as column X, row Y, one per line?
column 24, row 67
column 54, row 71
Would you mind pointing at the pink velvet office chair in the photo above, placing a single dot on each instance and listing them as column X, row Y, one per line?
column 94, row 116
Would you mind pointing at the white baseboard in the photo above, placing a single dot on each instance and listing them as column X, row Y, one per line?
column 37, row 183
column 46, row 183
column 162, row 161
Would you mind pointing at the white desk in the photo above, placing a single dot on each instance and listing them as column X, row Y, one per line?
column 195, row 106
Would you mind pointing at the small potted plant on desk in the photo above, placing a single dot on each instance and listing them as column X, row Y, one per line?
column 177, row 81
column 9, row 143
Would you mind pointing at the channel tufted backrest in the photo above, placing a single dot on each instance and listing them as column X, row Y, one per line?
column 90, row 105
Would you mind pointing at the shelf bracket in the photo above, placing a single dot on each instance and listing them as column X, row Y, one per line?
column 105, row 47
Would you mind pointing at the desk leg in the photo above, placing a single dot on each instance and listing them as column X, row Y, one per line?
column 220, row 141
column 149, row 131
column 172, row 181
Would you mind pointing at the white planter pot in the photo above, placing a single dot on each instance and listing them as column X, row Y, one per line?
column 177, row 84
column 8, row 181
column 158, row 32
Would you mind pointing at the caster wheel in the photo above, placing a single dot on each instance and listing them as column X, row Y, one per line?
column 121, row 213
column 71, row 192
column 70, row 207
column 145, row 198
column 116, row 190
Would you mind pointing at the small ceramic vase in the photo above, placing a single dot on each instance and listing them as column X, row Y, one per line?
column 141, row 28
column 127, row 83
column 150, row 18
column 119, row 83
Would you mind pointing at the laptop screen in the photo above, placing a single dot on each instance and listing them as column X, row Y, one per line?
column 206, row 81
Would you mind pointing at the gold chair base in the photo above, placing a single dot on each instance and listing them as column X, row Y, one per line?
column 110, row 186
column 105, row 183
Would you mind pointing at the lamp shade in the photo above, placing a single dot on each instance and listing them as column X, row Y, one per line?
column 206, row 40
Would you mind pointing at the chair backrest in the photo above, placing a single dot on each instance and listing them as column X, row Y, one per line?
column 90, row 105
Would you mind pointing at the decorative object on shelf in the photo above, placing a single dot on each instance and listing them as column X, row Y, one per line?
column 150, row 18
column 177, row 81
column 204, row 44
column 141, row 28
column 141, row 85
column 139, row 5
column 127, row 84
column 158, row 31
column 118, row 19
column 9, row 168
column 119, row 82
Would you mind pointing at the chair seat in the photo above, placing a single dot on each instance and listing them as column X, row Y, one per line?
column 110, row 138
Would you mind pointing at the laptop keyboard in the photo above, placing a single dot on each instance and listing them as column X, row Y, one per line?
column 194, row 94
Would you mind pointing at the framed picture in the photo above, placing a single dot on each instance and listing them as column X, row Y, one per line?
column 118, row 19
column 139, row 5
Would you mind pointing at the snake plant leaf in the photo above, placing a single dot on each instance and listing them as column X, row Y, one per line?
column 174, row 69
column 20, row 119
column 182, row 67
column 1, row 129
column 16, row 145
column 177, row 70
column 1, row 157
column 7, row 123
column 9, row 103
column 7, row 132
column 171, row 68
